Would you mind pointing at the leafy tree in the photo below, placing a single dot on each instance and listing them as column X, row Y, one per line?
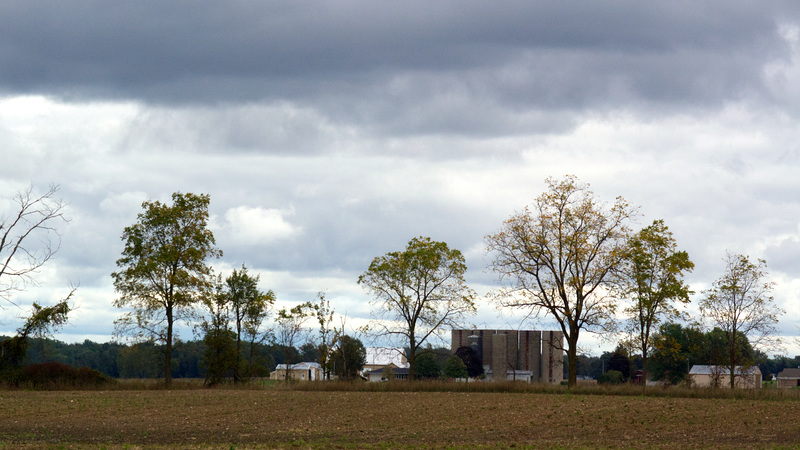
column 418, row 291
column 221, row 355
column 675, row 349
column 652, row 277
column 740, row 305
column 471, row 360
column 40, row 324
column 163, row 271
column 619, row 361
column 348, row 357
column 28, row 238
column 455, row 368
column 290, row 328
column 560, row 256
column 425, row 366
column 248, row 307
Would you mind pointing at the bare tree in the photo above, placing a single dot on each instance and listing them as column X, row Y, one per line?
column 739, row 303
column 29, row 237
column 560, row 257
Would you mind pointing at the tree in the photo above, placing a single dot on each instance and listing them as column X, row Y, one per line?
column 455, row 368
column 418, row 291
column 471, row 360
column 289, row 330
column 560, row 256
column 328, row 335
column 221, row 355
column 28, row 239
column 249, row 307
column 652, row 277
column 425, row 366
column 620, row 362
column 163, row 271
column 348, row 357
column 740, row 305
column 42, row 322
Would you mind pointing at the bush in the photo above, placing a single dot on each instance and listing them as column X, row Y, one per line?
column 55, row 375
column 610, row 377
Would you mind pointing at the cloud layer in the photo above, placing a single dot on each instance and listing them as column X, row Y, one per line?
column 328, row 133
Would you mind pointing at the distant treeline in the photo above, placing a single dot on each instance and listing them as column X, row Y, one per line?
column 146, row 360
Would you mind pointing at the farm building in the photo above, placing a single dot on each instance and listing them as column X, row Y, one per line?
column 719, row 376
column 521, row 355
column 379, row 357
column 388, row 373
column 789, row 378
column 304, row 371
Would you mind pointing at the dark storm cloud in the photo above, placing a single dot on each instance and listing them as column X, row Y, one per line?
column 376, row 62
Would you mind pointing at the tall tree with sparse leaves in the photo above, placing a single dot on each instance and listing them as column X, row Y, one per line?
column 739, row 303
column 652, row 278
column 560, row 256
column 164, row 270
column 418, row 291
column 289, row 330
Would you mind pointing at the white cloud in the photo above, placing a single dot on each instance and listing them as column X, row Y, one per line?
column 246, row 225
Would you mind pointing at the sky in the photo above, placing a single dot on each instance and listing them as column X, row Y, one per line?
column 327, row 133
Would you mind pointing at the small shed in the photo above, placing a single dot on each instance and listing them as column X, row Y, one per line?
column 789, row 378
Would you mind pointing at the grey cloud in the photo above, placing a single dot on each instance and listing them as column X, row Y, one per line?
column 340, row 57
column 784, row 256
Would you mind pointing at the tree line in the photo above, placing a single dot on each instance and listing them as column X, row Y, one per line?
column 569, row 256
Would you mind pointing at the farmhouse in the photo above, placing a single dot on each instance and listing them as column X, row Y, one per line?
column 789, row 378
column 304, row 371
column 521, row 355
column 719, row 376
column 388, row 373
column 382, row 364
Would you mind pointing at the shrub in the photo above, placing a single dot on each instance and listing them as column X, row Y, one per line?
column 55, row 375
column 610, row 377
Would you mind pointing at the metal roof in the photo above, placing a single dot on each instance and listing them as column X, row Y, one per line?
column 700, row 369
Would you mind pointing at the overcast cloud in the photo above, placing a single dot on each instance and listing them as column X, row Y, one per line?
column 328, row 133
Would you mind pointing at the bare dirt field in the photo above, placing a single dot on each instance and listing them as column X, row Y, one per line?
column 284, row 418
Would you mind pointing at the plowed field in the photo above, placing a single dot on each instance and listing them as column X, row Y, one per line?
column 278, row 418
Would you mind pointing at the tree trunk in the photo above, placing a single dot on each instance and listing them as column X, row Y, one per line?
column 732, row 355
column 412, row 350
column 168, row 351
column 644, row 369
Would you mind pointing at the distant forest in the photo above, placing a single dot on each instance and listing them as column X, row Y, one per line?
column 145, row 360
